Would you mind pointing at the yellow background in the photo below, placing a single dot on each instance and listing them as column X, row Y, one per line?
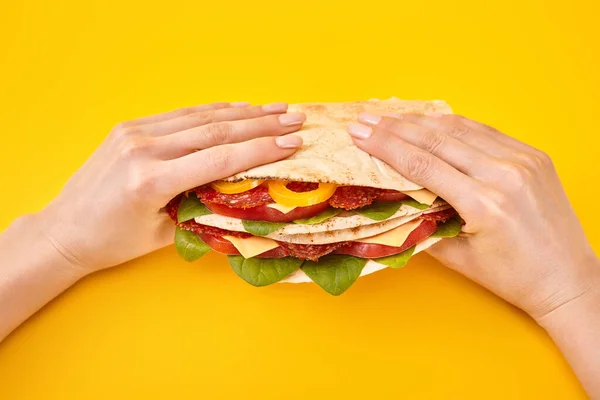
column 161, row 328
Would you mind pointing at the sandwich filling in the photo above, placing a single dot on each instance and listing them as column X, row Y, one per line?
column 260, row 209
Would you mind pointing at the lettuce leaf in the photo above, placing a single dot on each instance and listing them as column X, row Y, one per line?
column 189, row 245
column 397, row 260
column 415, row 204
column 261, row 228
column 320, row 217
column 448, row 229
column 380, row 210
column 190, row 207
column 334, row 273
column 263, row 271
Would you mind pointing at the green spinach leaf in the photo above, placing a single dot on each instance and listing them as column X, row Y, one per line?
column 189, row 245
column 448, row 229
column 320, row 217
column 190, row 207
column 334, row 273
column 380, row 210
column 262, row 228
column 397, row 260
column 263, row 271
column 415, row 204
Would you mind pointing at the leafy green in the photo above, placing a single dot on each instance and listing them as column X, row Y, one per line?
column 448, row 229
column 397, row 260
column 415, row 204
column 380, row 210
column 263, row 271
column 190, row 207
column 189, row 246
column 262, row 228
column 320, row 217
column 334, row 273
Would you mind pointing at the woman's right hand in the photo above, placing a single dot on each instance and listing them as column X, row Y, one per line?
column 522, row 239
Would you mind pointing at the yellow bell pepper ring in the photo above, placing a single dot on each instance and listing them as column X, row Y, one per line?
column 282, row 195
column 235, row 187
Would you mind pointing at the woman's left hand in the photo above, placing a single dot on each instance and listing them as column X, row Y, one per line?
column 110, row 210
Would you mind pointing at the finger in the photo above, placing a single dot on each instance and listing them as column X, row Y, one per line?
column 220, row 162
column 418, row 165
column 202, row 137
column 452, row 126
column 180, row 112
column 487, row 139
column 212, row 116
column 480, row 136
column 460, row 155
column 491, row 132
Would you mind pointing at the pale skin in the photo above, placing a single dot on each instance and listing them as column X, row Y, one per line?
column 521, row 240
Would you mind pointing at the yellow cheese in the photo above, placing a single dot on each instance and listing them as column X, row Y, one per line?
column 423, row 196
column 395, row 237
column 252, row 246
column 282, row 208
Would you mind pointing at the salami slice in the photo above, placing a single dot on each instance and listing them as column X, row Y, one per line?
column 310, row 251
column 195, row 227
column 352, row 197
column 440, row 216
column 301, row 187
column 251, row 198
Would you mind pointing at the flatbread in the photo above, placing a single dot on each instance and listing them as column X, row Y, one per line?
column 344, row 220
column 328, row 236
column 372, row 266
column 328, row 153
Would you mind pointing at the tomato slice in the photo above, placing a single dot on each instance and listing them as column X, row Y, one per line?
column 391, row 195
column 224, row 246
column 279, row 192
column 235, row 187
column 264, row 213
column 371, row 250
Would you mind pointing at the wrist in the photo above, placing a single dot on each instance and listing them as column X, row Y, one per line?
column 47, row 246
column 584, row 300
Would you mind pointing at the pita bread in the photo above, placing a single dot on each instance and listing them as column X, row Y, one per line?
column 322, row 236
column 344, row 220
column 372, row 266
column 329, row 154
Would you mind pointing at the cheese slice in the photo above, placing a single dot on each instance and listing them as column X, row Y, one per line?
column 395, row 237
column 252, row 246
column 423, row 196
column 282, row 208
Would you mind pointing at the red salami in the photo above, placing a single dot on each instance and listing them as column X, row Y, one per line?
column 300, row 187
column 310, row 251
column 391, row 195
column 251, row 198
column 172, row 208
column 440, row 216
column 198, row 229
column 351, row 197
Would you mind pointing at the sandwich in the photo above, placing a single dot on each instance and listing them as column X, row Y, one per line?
column 328, row 214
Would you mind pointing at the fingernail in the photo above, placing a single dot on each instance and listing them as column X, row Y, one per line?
column 360, row 131
column 394, row 115
column 292, row 119
column 434, row 114
column 369, row 118
column 275, row 108
column 289, row 141
column 240, row 104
